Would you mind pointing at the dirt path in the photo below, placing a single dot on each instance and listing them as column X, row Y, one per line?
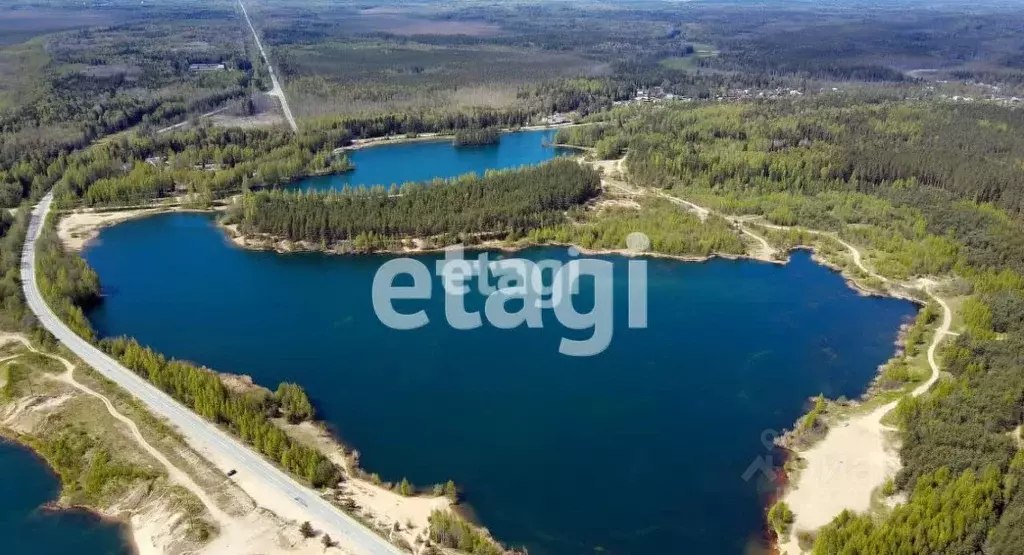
column 764, row 252
column 858, row 258
column 184, row 123
column 700, row 211
column 174, row 474
column 940, row 334
column 255, row 531
column 843, row 470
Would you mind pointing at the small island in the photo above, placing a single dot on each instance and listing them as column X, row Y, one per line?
column 477, row 137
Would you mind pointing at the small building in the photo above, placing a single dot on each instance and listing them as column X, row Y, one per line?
column 207, row 67
column 555, row 119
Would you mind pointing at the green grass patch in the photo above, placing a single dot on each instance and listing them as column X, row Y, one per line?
column 684, row 63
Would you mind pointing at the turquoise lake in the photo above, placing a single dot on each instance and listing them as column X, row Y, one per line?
column 424, row 160
column 639, row 450
column 27, row 527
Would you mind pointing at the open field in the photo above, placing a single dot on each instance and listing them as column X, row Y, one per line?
column 337, row 77
column 22, row 23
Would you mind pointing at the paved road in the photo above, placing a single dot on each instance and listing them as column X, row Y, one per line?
column 200, row 434
column 277, row 90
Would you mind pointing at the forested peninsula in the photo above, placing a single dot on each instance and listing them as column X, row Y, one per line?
column 511, row 201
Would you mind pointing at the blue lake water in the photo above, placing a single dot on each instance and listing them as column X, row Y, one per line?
column 27, row 484
column 637, row 451
column 425, row 160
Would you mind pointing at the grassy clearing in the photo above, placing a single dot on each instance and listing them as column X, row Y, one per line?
column 22, row 69
column 355, row 77
column 690, row 61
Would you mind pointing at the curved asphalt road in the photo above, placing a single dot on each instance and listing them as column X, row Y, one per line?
column 199, row 433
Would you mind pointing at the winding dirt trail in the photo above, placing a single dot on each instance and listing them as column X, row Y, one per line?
column 940, row 334
column 255, row 531
column 174, row 474
column 766, row 252
column 925, row 284
column 843, row 470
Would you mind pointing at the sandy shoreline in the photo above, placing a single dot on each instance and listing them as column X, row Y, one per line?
column 78, row 228
column 376, row 504
column 845, row 469
column 285, row 246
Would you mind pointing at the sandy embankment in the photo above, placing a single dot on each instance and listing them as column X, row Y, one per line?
column 842, row 471
column 79, row 227
column 358, row 144
column 855, row 458
column 156, row 516
column 845, row 468
column 376, row 504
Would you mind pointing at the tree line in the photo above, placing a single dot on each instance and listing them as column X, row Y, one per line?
column 511, row 201
column 248, row 415
column 476, row 137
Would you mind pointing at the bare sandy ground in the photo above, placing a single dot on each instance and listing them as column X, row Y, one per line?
column 429, row 137
column 392, row 140
column 855, row 458
column 841, row 472
column 78, row 228
column 243, row 526
column 265, row 119
column 380, row 505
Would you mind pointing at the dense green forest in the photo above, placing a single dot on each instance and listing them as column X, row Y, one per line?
column 476, row 137
column 424, row 56
column 207, row 162
column 212, row 162
column 67, row 283
column 930, row 187
column 64, row 91
column 505, row 202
